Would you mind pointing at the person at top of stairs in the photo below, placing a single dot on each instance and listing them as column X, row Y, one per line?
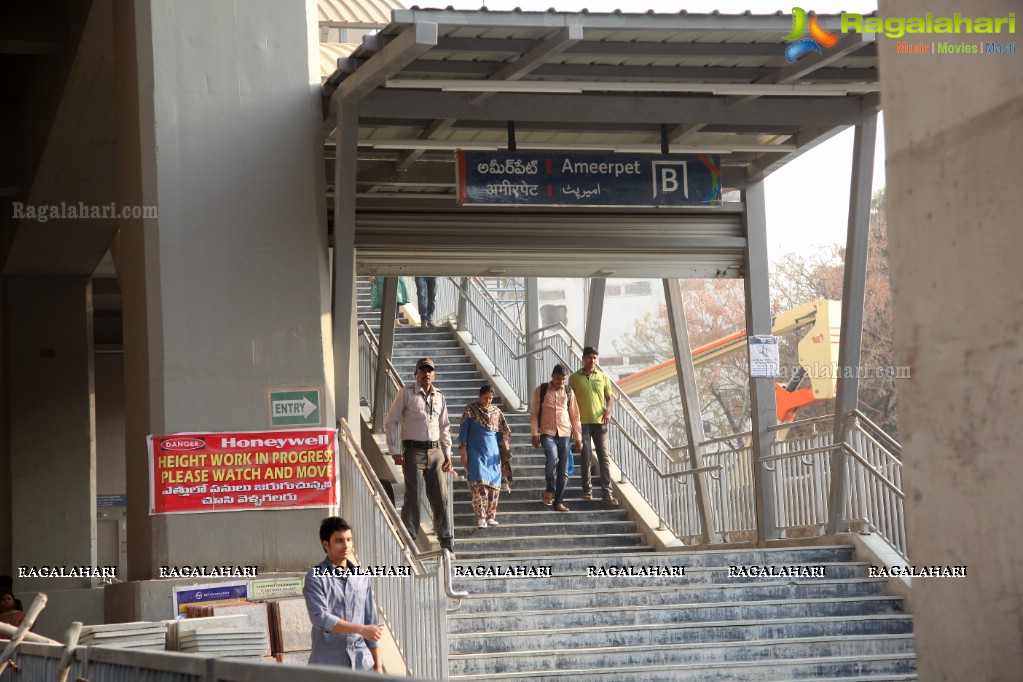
column 484, row 435
column 377, row 296
column 426, row 293
column 419, row 439
column 553, row 418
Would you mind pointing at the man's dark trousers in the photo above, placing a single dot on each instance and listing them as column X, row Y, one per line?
column 430, row 463
column 597, row 433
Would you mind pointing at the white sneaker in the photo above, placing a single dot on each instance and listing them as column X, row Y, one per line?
column 493, row 522
column 482, row 523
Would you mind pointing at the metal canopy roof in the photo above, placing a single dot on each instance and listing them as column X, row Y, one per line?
column 433, row 81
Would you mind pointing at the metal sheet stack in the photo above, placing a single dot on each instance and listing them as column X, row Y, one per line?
column 141, row 635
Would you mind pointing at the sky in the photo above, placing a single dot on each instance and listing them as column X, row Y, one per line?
column 807, row 209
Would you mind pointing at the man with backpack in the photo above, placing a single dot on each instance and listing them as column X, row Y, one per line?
column 554, row 423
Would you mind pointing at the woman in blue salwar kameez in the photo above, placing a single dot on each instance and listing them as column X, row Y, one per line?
column 483, row 435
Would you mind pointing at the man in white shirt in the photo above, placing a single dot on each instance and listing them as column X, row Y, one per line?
column 419, row 439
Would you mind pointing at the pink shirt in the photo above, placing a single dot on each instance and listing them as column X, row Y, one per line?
column 556, row 420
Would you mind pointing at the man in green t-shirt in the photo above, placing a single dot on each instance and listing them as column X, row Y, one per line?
column 592, row 390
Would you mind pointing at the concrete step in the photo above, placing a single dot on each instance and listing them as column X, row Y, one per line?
column 528, row 518
column 536, row 556
column 481, row 543
column 747, row 653
column 696, row 558
column 851, row 667
column 683, row 633
column 544, row 619
column 517, row 501
column 639, row 597
column 553, row 528
column 483, row 584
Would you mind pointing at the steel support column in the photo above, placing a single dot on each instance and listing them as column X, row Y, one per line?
column 388, row 309
column 346, row 342
column 853, row 286
column 532, row 324
column 691, row 408
column 463, row 304
column 594, row 312
column 758, row 321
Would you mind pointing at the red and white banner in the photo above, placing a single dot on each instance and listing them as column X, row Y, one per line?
column 253, row 470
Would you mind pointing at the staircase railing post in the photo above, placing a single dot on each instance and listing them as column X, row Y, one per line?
column 463, row 305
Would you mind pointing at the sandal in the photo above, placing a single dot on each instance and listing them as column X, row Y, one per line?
column 610, row 499
column 560, row 507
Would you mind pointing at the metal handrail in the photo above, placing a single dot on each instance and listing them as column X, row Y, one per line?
column 408, row 545
column 873, row 469
column 801, row 422
column 375, row 347
column 892, row 444
column 496, row 303
column 653, row 465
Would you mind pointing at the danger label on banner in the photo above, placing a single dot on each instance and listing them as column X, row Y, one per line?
column 205, row 472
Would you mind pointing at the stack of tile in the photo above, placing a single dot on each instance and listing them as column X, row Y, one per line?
column 177, row 627
column 290, row 630
column 243, row 642
column 141, row 635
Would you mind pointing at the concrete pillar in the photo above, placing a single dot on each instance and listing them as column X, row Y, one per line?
column 53, row 429
column 345, row 291
column 952, row 133
column 225, row 293
column 533, row 377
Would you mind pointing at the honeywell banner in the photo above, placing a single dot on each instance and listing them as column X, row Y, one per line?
column 205, row 472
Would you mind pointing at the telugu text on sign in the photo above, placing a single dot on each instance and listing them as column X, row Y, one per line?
column 204, row 472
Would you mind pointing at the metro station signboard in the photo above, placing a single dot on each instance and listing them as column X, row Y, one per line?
column 243, row 471
column 588, row 179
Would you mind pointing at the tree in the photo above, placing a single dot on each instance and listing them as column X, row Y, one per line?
column 715, row 308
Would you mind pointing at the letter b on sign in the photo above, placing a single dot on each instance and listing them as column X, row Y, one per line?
column 670, row 177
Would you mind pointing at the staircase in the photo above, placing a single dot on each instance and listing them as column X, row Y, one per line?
column 703, row 625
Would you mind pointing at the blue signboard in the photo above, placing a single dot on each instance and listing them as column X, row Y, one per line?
column 583, row 179
column 206, row 594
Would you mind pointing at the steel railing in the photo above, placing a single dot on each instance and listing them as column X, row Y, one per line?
column 39, row 663
column 369, row 353
column 496, row 334
column 731, row 487
column 414, row 606
column 799, row 469
column 876, row 498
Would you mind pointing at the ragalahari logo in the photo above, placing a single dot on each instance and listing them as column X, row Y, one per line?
column 819, row 38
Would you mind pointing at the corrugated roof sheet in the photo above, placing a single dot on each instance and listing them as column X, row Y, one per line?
column 376, row 12
column 330, row 53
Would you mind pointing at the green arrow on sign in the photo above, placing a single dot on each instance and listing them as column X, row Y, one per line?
column 291, row 408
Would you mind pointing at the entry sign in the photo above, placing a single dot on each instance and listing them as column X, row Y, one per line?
column 588, row 179
column 295, row 408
